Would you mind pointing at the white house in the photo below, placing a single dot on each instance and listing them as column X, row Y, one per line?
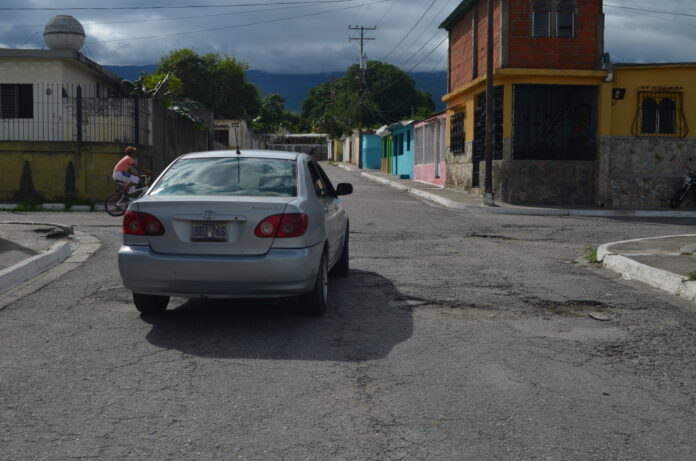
column 40, row 91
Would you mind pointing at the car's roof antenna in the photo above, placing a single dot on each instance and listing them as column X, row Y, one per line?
column 235, row 125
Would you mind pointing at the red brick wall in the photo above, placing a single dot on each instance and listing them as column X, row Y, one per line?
column 579, row 52
column 525, row 51
column 461, row 45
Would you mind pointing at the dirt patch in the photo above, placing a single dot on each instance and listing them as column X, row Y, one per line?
column 569, row 308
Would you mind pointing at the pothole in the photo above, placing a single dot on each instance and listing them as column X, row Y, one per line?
column 570, row 308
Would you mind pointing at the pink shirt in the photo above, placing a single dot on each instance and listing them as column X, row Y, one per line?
column 125, row 164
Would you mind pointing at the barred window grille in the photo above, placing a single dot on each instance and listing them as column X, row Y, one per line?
column 457, row 133
column 16, row 101
column 660, row 114
column 554, row 122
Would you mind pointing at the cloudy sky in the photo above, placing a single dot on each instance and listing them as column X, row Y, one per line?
column 303, row 36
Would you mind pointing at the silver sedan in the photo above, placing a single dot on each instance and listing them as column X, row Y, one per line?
column 224, row 224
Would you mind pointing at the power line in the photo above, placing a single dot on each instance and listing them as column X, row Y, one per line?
column 231, row 5
column 411, row 30
column 234, row 26
column 650, row 10
column 175, row 18
column 425, row 29
column 431, row 52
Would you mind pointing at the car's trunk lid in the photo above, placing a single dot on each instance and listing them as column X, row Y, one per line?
column 211, row 225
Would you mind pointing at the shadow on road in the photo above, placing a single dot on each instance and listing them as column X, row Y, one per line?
column 365, row 319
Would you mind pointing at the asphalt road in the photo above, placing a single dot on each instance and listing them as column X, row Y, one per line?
column 456, row 336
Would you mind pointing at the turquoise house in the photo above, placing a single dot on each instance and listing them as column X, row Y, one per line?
column 371, row 151
column 402, row 149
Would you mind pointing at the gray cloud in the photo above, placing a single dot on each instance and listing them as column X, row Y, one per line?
column 317, row 43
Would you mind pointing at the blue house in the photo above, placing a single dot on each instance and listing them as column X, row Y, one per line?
column 402, row 149
column 371, row 151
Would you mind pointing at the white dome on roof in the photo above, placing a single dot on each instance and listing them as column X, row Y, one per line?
column 64, row 32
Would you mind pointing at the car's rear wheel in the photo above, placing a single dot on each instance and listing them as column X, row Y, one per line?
column 150, row 304
column 314, row 302
column 342, row 266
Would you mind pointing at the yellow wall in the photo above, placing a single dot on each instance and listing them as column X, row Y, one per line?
column 93, row 165
column 615, row 116
column 465, row 96
column 659, row 77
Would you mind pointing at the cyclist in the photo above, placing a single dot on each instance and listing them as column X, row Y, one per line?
column 126, row 172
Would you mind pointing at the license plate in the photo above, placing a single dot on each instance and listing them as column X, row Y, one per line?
column 205, row 231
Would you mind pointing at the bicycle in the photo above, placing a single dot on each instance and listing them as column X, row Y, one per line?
column 688, row 182
column 117, row 204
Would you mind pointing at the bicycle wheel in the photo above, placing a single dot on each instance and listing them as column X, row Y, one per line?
column 116, row 204
column 678, row 197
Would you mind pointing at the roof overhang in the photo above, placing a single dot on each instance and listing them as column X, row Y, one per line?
column 459, row 12
column 68, row 55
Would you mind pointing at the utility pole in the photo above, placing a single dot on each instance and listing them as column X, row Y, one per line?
column 488, row 198
column 363, row 83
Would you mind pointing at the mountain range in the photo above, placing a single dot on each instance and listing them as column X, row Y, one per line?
column 294, row 88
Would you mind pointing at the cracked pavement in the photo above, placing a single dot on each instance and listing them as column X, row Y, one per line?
column 456, row 336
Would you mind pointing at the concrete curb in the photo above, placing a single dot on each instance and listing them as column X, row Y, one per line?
column 631, row 269
column 30, row 268
column 529, row 211
column 88, row 246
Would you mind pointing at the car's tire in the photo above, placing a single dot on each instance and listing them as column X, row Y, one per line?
column 342, row 266
column 314, row 302
column 678, row 197
column 114, row 205
column 150, row 304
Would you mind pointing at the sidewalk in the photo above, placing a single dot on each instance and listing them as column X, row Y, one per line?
column 463, row 201
column 667, row 263
column 28, row 249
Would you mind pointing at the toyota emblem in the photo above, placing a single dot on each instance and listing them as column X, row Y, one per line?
column 209, row 214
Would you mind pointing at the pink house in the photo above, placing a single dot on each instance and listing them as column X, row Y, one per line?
column 430, row 152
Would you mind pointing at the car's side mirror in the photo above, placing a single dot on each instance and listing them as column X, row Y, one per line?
column 344, row 188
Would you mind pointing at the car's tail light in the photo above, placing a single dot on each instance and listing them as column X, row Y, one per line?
column 283, row 226
column 136, row 223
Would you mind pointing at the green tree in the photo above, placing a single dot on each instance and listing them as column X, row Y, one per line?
column 218, row 82
column 274, row 118
column 390, row 96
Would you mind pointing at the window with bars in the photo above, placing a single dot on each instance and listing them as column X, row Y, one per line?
column 660, row 114
column 554, row 122
column 16, row 100
column 457, row 133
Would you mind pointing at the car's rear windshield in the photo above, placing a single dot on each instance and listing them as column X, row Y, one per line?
column 245, row 176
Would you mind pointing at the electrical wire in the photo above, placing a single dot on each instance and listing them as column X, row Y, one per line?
column 231, row 5
column 176, row 18
column 650, row 10
column 425, row 29
column 234, row 26
column 410, row 30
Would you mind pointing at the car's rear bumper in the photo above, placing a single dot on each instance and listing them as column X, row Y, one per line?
column 280, row 272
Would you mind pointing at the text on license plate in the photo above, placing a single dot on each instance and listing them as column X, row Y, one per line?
column 204, row 231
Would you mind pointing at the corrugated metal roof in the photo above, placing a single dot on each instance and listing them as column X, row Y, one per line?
column 464, row 7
